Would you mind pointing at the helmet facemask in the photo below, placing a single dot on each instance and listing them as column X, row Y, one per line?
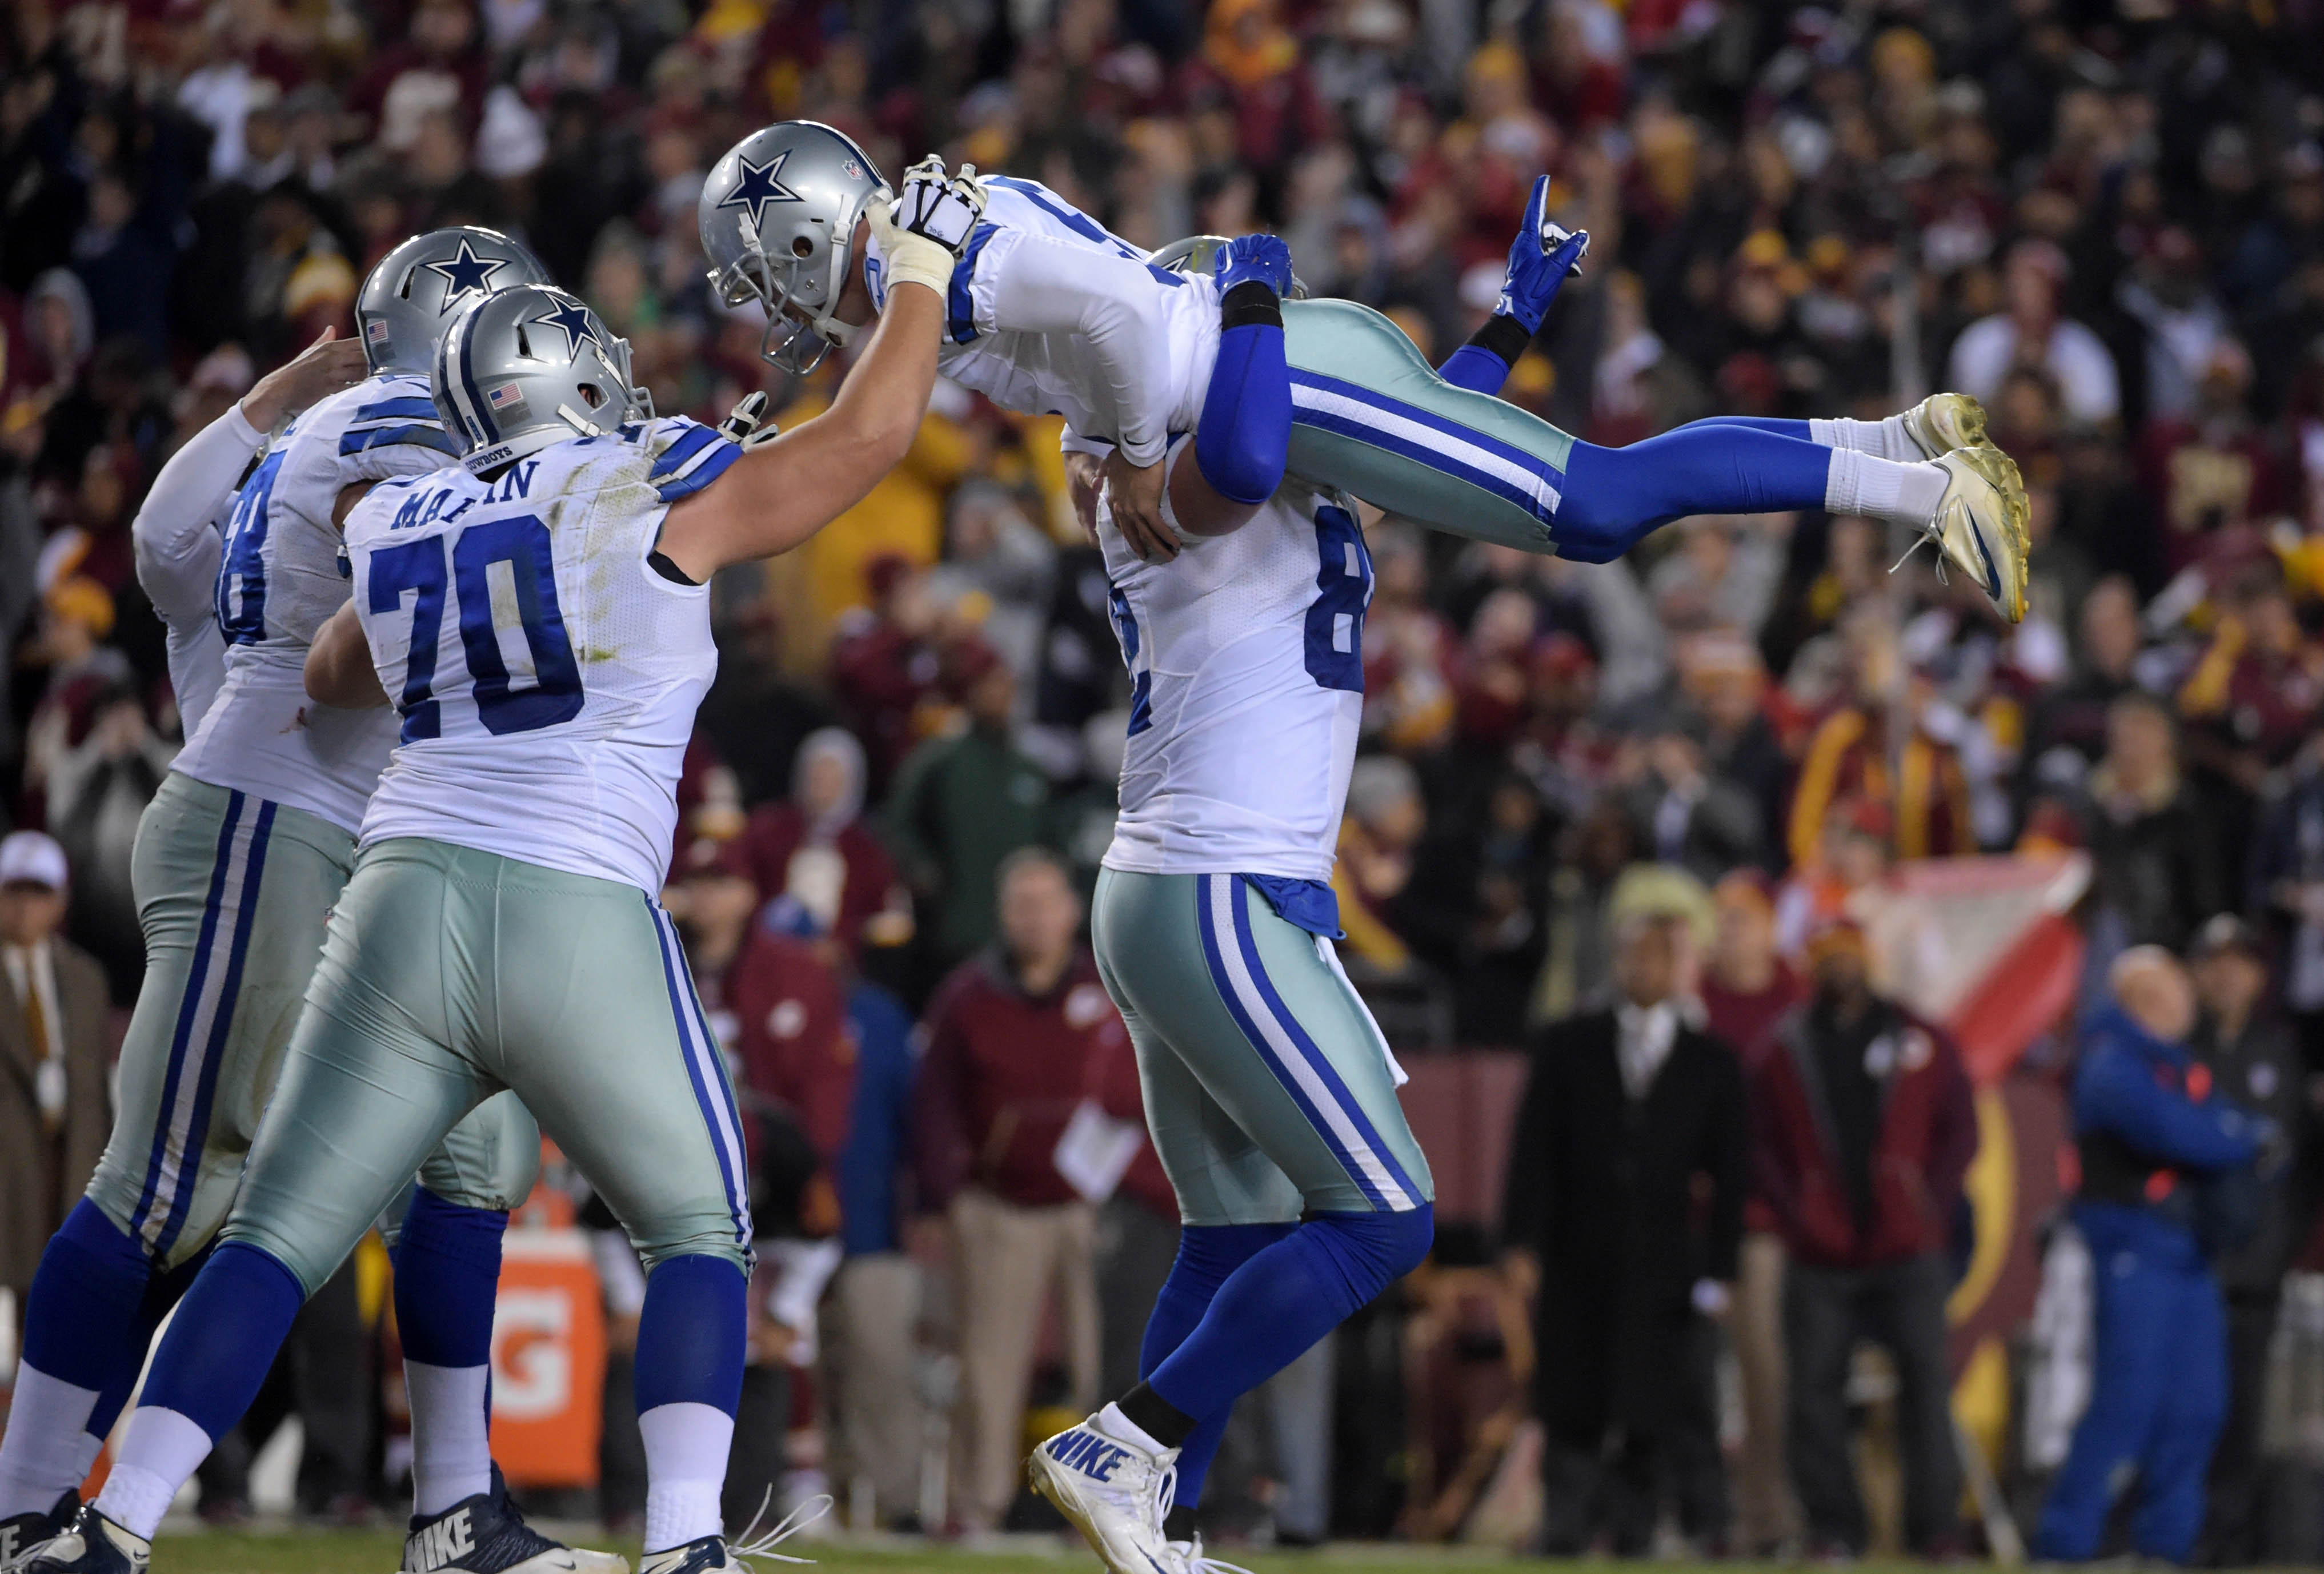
column 801, row 329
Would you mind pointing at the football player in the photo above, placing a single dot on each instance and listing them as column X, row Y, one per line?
column 540, row 616
column 239, row 857
column 1050, row 312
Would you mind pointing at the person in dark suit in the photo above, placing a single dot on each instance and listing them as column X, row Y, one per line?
column 55, row 1109
column 2254, row 1060
column 1623, row 1212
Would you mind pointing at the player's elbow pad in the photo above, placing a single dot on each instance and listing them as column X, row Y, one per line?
column 1245, row 432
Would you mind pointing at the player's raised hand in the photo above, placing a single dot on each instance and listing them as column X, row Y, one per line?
column 944, row 208
column 321, row 370
column 1260, row 259
column 1541, row 259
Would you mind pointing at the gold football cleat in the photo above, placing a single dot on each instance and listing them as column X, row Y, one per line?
column 1943, row 422
column 1980, row 524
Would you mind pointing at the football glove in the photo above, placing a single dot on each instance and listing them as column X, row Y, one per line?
column 1541, row 259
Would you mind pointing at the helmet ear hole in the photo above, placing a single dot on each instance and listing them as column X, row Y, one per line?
column 801, row 246
column 594, row 394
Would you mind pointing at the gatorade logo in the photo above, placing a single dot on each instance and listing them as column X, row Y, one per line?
column 1089, row 1454
column 434, row 1545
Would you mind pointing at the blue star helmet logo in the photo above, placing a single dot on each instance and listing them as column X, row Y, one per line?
column 760, row 184
column 464, row 275
column 572, row 319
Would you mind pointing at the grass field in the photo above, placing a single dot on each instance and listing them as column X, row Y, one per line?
column 379, row 1552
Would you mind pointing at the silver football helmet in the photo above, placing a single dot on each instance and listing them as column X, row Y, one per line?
column 1200, row 254
column 408, row 301
column 527, row 367
column 777, row 217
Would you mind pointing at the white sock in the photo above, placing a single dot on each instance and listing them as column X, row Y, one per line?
column 1883, row 439
column 686, row 1445
column 159, row 1451
column 46, row 1449
column 451, row 1443
column 1883, row 489
column 1114, row 1424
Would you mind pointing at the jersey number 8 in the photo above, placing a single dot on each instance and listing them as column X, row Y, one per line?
column 522, row 544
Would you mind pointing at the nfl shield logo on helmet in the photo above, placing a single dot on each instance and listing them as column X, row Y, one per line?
column 853, row 170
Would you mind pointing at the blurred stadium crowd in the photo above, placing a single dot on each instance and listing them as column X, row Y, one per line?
column 2103, row 217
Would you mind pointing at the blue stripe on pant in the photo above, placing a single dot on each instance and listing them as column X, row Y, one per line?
column 204, row 1022
column 1288, row 1050
column 1345, row 409
column 706, row 1069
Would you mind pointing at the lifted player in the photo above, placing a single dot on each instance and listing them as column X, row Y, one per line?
column 1049, row 312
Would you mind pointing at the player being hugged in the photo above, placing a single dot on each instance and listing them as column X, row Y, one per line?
column 539, row 617
column 1049, row 312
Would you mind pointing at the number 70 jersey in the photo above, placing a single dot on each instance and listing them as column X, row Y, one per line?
column 547, row 676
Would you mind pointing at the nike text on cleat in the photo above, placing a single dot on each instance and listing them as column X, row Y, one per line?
column 486, row 1535
column 1980, row 524
column 21, row 1532
column 1945, row 421
column 91, row 1544
column 1115, row 1493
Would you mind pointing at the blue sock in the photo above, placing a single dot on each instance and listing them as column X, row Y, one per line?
column 1612, row 498
column 447, row 1274
column 164, row 1292
column 1243, row 438
column 691, row 1333
column 225, row 1337
column 82, row 1316
column 1283, row 1299
column 1208, row 1253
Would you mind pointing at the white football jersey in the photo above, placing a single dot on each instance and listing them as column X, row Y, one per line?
column 280, row 580
column 1049, row 313
column 547, row 676
column 1247, row 692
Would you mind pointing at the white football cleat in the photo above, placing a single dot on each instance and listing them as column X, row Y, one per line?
column 1114, row 1492
column 1980, row 525
column 1945, row 421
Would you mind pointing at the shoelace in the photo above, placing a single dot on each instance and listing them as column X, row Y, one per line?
column 795, row 1521
column 1918, row 542
column 1192, row 1560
